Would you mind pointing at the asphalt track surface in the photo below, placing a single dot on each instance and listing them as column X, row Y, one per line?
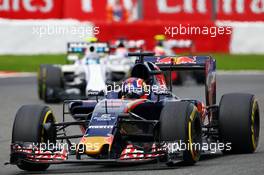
column 15, row 92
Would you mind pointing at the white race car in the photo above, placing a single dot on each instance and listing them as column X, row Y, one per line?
column 86, row 75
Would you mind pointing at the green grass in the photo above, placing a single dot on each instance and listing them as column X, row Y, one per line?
column 239, row 62
column 30, row 63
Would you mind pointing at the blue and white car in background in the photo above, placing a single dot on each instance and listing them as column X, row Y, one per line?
column 85, row 74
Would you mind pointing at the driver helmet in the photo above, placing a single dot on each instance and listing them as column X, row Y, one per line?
column 134, row 88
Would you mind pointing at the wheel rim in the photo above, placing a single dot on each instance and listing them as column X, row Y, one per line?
column 194, row 135
column 48, row 118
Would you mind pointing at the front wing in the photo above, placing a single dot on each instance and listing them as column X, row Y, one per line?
column 130, row 155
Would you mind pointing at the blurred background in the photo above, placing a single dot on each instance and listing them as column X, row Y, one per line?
column 31, row 29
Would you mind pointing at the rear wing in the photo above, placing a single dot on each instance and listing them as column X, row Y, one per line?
column 76, row 49
column 205, row 64
column 80, row 47
column 167, row 63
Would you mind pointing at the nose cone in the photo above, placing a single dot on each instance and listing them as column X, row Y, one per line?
column 94, row 145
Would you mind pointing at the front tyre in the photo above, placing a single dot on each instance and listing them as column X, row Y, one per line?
column 28, row 127
column 180, row 121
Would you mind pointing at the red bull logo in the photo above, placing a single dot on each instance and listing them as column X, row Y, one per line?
column 167, row 60
column 185, row 60
column 177, row 60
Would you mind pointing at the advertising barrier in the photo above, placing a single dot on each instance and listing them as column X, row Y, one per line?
column 177, row 10
column 87, row 10
column 240, row 10
column 128, row 10
column 195, row 20
column 35, row 9
column 206, row 36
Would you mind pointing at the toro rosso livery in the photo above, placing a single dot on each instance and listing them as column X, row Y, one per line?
column 131, row 126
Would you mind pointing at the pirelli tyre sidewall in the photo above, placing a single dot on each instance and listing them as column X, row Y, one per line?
column 180, row 121
column 239, row 122
column 28, row 127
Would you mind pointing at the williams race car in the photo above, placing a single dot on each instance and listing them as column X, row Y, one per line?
column 143, row 122
column 88, row 73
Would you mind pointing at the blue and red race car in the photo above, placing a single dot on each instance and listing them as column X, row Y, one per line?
column 132, row 128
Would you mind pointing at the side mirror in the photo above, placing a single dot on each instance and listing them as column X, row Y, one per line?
column 163, row 93
column 95, row 93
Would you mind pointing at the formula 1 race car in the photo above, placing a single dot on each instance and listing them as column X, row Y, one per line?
column 88, row 73
column 125, row 129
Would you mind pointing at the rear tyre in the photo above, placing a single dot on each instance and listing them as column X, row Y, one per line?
column 239, row 122
column 28, row 127
column 180, row 121
column 52, row 83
